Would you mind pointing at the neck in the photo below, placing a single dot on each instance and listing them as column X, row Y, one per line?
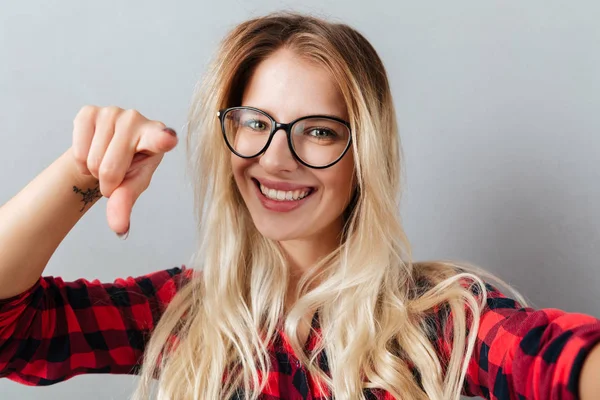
column 302, row 254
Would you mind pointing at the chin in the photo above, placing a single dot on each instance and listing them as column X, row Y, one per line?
column 270, row 231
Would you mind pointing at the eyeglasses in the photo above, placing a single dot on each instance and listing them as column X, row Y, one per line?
column 317, row 141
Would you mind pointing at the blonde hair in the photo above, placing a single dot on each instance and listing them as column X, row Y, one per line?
column 375, row 305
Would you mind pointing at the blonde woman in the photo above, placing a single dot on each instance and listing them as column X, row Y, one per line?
column 303, row 285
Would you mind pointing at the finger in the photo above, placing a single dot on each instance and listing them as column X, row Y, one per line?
column 117, row 159
column 121, row 202
column 105, row 127
column 84, row 126
column 156, row 138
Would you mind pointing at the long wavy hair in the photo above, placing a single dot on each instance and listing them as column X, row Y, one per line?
column 375, row 305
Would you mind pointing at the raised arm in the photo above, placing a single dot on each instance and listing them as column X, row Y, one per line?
column 114, row 154
column 49, row 329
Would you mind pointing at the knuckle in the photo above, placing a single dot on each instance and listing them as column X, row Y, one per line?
column 85, row 113
column 129, row 117
column 107, row 172
column 110, row 112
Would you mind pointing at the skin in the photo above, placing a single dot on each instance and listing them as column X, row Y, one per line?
column 288, row 87
column 589, row 382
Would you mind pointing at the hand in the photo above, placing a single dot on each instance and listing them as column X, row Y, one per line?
column 122, row 149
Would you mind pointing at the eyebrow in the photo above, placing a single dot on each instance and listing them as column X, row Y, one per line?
column 331, row 115
column 303, row 115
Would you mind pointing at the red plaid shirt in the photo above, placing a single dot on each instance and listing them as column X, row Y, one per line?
column 56, row 330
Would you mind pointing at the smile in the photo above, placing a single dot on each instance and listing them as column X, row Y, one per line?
column 284, row 195
column 281, row 200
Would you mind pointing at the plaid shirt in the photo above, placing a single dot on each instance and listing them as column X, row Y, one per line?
column 56, row 330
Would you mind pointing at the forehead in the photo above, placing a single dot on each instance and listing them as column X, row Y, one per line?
column 288, row 87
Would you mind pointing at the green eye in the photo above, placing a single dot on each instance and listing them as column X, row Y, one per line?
column 322, row 133
column 256, row 124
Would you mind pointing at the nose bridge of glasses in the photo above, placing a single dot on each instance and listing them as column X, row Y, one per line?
column 285, row 128
column 278, row 145
column 282, row 138
column 280, row 126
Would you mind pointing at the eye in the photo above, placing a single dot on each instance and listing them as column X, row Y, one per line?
column 322, row 133
column 256, row 124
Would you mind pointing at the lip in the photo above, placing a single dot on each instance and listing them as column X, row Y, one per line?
column 284, row 186
column 279, row 206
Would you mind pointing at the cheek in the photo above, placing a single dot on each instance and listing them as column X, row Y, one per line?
column 338, row 182
column 239, row 167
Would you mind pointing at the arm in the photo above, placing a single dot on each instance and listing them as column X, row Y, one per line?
column 37, row 219
column 56, row 329
column 525, row 353
column 589, row 382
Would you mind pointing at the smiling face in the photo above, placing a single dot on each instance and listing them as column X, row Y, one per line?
column 288, row 87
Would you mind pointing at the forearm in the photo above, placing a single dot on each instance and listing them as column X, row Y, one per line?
column 589, row 380
column 35, row 221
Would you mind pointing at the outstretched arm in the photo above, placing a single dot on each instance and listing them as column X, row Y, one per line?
column 526, row 353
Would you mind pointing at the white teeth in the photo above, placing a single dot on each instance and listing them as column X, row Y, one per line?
column 280, row 195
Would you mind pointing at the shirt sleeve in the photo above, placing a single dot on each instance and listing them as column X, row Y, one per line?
column 56, row 330
column 524, row 353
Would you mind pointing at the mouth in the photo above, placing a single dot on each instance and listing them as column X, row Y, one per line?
column 283, row 196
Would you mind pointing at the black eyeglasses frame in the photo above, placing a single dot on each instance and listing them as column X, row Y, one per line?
column 275, row 126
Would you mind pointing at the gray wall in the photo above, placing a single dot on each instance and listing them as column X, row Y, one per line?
column 498, row 104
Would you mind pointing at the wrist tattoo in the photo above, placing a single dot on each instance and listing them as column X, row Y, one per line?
column 88, row 196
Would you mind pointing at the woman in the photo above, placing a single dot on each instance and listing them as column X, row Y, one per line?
column 307, row 287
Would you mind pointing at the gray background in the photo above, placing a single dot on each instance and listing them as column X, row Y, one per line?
column 498, row 106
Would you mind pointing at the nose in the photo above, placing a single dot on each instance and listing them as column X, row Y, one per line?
column 278, row 156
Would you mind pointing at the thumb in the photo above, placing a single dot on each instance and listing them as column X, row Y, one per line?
column 120, row 203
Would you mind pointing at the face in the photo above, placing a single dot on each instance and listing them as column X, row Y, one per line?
column 287, row 87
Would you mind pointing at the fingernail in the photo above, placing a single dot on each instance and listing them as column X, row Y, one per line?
column 170, row 131
column 125, row 234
